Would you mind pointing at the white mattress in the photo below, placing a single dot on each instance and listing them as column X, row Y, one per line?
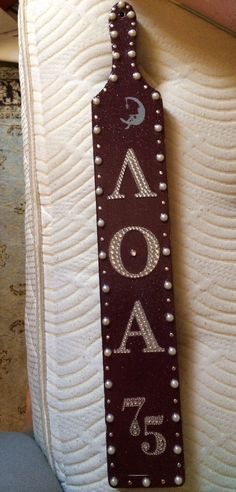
column 65, row 61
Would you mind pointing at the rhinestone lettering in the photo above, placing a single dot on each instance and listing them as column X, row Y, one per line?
column 152, row 247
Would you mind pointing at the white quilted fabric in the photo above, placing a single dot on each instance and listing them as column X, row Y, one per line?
column 65, row 61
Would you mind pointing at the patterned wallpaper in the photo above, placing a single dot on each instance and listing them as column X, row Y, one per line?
column 13, row 375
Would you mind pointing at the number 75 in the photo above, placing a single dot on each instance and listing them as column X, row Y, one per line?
column 150, row 420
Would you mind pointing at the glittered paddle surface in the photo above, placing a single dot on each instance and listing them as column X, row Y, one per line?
column 141, row 381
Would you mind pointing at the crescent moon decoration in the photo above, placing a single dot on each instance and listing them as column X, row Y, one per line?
column 134, row 119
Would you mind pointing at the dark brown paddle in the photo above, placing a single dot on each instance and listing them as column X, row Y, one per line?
column 142, row 400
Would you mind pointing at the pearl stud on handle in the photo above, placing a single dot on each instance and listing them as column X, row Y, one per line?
column 137, row 308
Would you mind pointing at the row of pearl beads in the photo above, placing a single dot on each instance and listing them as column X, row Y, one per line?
column 114, row 34
column 130, row 15
column 175, row 416
column 121, row 5
column 136, row 76
column 158, row 128
column 110, row 418
column 146, row 482
column 166, row 252
column 163, row 217
column 155, row 95
column 132, row 33
column 174, row 383
column 113, row 77
column 132, row 54
column 111, row 450
column 116, row 54
column 177, row 449
column 108, row 351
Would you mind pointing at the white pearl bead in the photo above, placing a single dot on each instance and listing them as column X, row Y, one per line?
column 162, row 186
column 172, row 351
column 174, row 383
column 99, row 191
column 178, row 480
column 105, row 321
column 167, row 285
column 158, row 128
column 132, row 33
column 169, row 317
column 113, row 77
column 116, row 55
column 102, row 255
column 98, row 160
column 97, row 130
column 132, row 54
column 164, row 217
column 112, row 16
column 136, row 75
column 155, row 95
column 160, row 157
column 146, row 482
column 105, row 288
column 108, row 384
column 114, row 482
column 175, row 417
column 110, row 418
column 166, row 251
column 131, row 14
column 121, row 5
column 96, row 101
column 107, row 352
column 101, row 223
column 133, row 252
column 114, row 34
column 111, row 450
column 177, row 449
